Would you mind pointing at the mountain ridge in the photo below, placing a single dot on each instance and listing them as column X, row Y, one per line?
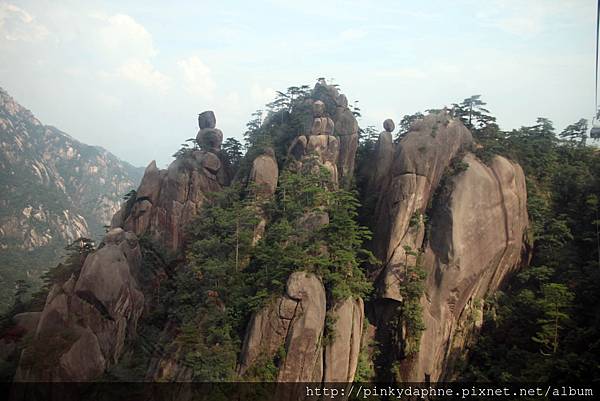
column 55, row 189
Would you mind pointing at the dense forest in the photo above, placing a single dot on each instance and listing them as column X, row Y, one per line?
column 543, row 326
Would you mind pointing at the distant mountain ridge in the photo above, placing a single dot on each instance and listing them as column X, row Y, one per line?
column 83, row 186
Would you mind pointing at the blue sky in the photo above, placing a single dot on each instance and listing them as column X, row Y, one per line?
column 132, row 76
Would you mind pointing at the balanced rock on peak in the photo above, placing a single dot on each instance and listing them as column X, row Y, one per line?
column 389, row 125
column 209, row 138
column 207, row 119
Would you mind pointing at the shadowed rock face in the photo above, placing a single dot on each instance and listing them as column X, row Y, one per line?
column 167, row 200
column 419, row 162
column 383, row 157
column 476, row 240
column 478, row 222
column 85, row 322
column 341, row 354
column 294, row 321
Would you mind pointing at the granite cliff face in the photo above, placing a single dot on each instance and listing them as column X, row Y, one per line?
column 55, row 189
column 87, row 320
column 474, row 238
column 167, row 200
column 438, row 207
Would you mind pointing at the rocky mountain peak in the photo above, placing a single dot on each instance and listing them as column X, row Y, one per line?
column 441, row 216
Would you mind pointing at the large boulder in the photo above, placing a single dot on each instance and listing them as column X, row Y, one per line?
column 210, row 139
column 476, row 240
column 264, row 174
column 339, row 121
column 382, row 163
column 263, row 178
column 86, row 321
column 207, row 119
column 167, row 200
column 315, row 152
column 420, row 160
column 341, row 353
column 294, row 322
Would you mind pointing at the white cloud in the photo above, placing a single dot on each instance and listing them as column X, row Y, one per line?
column 197, row 76
column 17, row 24
column 262, row 95
column 142, row 72
column 122, row 36
column 128, row 50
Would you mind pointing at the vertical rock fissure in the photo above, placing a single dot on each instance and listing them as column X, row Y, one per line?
column 502, row 205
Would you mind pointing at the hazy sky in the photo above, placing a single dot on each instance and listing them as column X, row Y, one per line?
column 132, row 76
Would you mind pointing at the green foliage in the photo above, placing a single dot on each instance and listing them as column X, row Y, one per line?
column 417, row 218
column 227, row 275
column 207, row 295
column 284, row 118
column 406, row 123
column 472, row 113
column 369, row 351
column 293, row 242
column 185, row 149
column 576, row 133
column 556, row 298
column 232, row 149
column 409, row 315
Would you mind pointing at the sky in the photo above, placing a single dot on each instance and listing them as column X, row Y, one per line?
column 132, row 76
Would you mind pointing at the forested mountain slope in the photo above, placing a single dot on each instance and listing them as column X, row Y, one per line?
column 54, row 189
column 333, row 253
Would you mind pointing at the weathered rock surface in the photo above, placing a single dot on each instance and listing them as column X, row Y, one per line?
column 168, row 199
column 263, row 176
column 382, row 161
column 207, row 119
column 316, row 151
column 294, row 321
column 343, row 125
column 420, row 160
column 478, row 220
column 341, row 354
column 475, row 242
column 346, row 130
column 85, row 321
column 265, row 173
column 210, row 139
